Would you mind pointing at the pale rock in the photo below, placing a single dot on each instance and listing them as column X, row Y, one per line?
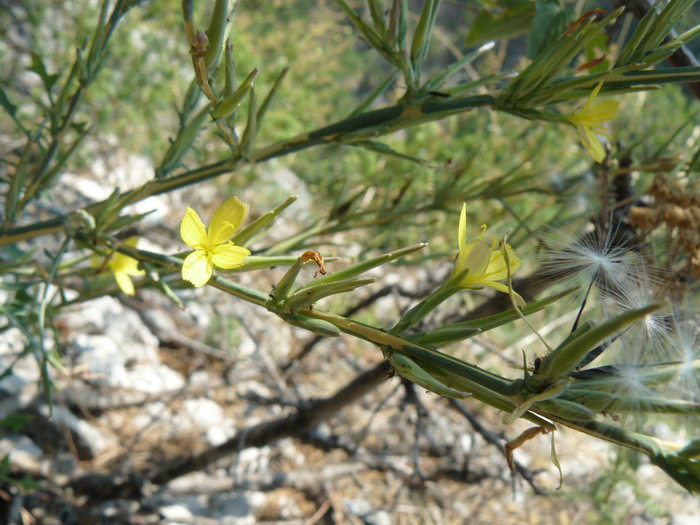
column 153, row 378
column 289, row 450
column 686, row 519
column 19, row 387
column 103, row 358
column 160, row 321
column 251, row 460
column 117, row 509
column 200, row 378
column 366, row 512
column 210, row 417
column 11, row 343
column 231, row 508
column 23, row 453
column 200, row 314
column 246, row 346
column 91, row 190
column 275, row 184
column 153, row 411
column 386, row 308
column 199, row 482
column 86, row 437
column 109, row 364
column 158, row 208
column 107, row 316
column 202, row 412
column 234, row 508
column 220, row 434
column 118, row 349
column 123, row 170
column 176, row 513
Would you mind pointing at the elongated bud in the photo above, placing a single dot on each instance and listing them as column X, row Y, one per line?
column 423, row 33
column 229, row 70
column 445, row 336
column 359, row 268
column 565, row 358
column 79, row 221
column 182, row 144
column 305, row 297
column 317, row 326
column 412, row 371
column 229, row 104
column 567, row 410
column 216, row 33
column 283, row 288
column 251, row 128
column 262, row 222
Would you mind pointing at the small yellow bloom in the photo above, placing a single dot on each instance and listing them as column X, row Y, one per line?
column 124, row 268
column 478, row 264
column 212, row 247
column 589, row 122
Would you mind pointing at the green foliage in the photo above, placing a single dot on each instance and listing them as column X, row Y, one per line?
column 502, row 20
column 390, row 137
column 25, row 483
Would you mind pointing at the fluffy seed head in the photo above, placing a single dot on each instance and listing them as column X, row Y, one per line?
column 605, row 257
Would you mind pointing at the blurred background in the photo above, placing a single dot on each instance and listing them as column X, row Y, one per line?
column 143, row 383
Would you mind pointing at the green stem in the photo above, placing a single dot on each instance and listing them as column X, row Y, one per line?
column 473, row 373
column 347, row 131
column 424, row 307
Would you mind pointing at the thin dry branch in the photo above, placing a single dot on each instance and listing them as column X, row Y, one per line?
column 296, row 424
column 499, row 442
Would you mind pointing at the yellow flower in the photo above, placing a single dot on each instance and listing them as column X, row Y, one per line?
column 212, row 247
column 478, row 264
column 124, row 268
column 589, row 122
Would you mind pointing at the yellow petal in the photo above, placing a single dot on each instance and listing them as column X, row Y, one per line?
column 477, row 261
column 118, row 262
column 227, row 220
column 602, row 111
column 124, row 283
column 462, row 232
column 192, row 230
column 504, row 288
column 593, row 145
column 463, row 255
column 583, row 135
column 589, row 122
column 497, row 269
column 591, row 98
column 133, row 270
column 197, row 269
column 131, row 241
column 228, row 256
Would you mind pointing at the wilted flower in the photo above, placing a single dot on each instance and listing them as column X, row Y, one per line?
column 212, row 247
column 124, row 268
column 478, row 264
column 589, row 122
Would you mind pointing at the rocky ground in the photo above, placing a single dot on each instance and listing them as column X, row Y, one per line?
column 144, row 387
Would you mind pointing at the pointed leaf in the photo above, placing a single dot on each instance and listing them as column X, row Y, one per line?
column 39, row 68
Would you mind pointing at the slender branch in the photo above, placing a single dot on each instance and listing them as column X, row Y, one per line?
column 498, row 442
column 682, row 57
column 308, row 346
column 347, row 131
